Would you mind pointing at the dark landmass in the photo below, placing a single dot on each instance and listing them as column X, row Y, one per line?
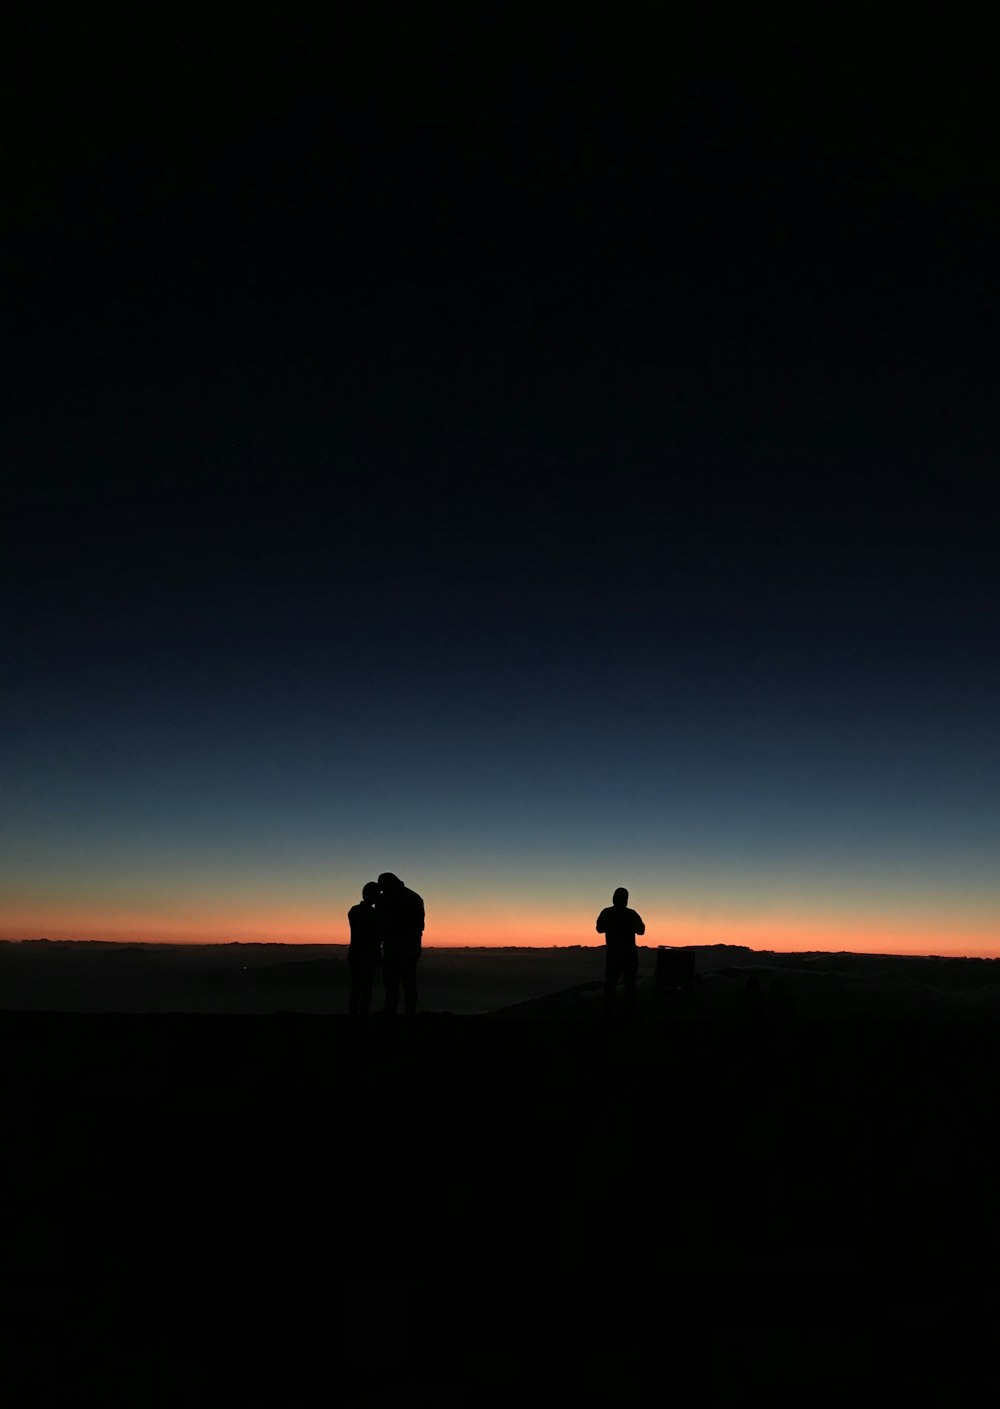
column 264, row 978
column 733, row 1198
column 80, row 977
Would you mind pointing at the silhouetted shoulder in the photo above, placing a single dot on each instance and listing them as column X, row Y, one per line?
column 617, row 921
column 363, row 919
column 403, row 911
column 415, row 905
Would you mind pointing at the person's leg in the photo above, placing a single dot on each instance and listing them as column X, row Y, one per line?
column 631, row 972
column 390, row 978
column 410, row 987
column 355, row 993
column 365, row 1001
column 612, row 970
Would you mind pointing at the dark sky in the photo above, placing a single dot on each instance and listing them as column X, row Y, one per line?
column 500, row 416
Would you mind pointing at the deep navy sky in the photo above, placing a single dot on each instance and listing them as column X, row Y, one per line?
column 500, row 442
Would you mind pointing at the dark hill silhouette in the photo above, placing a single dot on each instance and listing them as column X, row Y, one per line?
column 81, row 977
column 808, row 987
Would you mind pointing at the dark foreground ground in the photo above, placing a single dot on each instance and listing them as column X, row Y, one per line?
column 289, row 1209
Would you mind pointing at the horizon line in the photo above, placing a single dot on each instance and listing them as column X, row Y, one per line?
column 481, row 948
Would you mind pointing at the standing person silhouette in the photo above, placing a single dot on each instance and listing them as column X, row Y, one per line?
column 619, row 926
column 364, row 953
column 401, row 912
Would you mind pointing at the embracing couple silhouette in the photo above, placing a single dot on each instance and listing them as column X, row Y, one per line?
column 387, row 927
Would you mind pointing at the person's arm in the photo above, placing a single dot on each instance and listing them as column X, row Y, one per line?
column 640, row 928
column 602, row 923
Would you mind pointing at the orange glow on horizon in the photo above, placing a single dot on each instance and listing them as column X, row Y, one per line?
column 450, row 928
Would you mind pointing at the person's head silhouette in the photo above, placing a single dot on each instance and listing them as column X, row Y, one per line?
column 620, row 897
column 369, row 892
column 387, row 881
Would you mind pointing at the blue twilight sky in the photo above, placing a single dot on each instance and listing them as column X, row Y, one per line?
column 574, row 471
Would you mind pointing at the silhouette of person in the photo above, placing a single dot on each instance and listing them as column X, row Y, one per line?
column 364, row 953
column 619, row 926
column 401, row 912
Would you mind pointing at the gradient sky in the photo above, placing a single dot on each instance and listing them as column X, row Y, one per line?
column 529, row 456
